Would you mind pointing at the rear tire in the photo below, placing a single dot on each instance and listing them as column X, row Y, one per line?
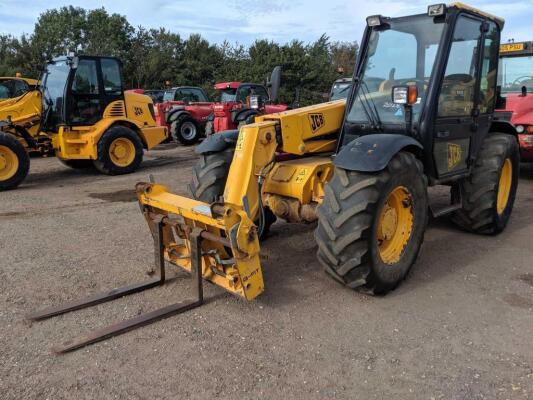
column 482, row 211
column 120, row 151
column 14, row 162
column 209, row 177
column 355, row 244
column 185, row 130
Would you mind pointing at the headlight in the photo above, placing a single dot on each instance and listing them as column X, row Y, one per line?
column 520, row 128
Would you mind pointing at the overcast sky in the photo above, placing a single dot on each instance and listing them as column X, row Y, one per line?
column 244, row 21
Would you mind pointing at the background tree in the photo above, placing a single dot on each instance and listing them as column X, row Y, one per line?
column 155, row 58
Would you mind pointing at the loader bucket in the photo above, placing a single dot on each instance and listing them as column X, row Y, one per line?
column 230, row 245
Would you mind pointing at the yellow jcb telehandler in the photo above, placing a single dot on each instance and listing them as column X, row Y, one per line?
column 80, row 113
column 420, row 113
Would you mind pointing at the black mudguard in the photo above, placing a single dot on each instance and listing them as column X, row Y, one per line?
column 243, row 115
column 372, row 153
column 173, row 115
column 218, row 142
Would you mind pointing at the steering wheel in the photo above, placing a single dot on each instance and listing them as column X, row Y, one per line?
column 518, row 80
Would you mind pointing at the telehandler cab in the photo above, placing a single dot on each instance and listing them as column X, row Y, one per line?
column 361, row 166
column 81, row 114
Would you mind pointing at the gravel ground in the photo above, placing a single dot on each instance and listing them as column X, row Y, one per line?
column 460, row 327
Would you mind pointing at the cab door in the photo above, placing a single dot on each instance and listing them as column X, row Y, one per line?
column 84, row 94
column 95, row 84
column 111, row 81
column 457, row 120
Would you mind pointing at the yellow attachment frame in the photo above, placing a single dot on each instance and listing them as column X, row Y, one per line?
column 230, row 246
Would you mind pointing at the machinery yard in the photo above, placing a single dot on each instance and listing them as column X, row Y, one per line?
column 460, row 326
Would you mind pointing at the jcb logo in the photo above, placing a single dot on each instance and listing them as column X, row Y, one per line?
column 454, row 155
column 317, row 121
column 138, row 111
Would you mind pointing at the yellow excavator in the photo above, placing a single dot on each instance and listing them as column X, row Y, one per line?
column 80, row 113
column 420, row 113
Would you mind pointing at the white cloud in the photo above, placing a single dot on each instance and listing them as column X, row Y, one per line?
column 246, row 20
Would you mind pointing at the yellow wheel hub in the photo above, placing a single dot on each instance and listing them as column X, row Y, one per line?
column 122, row 152
column 9, row 163
column 395, row 225
column 504, row 188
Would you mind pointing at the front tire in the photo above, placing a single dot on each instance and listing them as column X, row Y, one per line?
column 14, row 162
column 371, row 225
column 185, row 130
column 488, row 194
column 120, row 151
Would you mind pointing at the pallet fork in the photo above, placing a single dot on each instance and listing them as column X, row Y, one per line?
column 196, row 236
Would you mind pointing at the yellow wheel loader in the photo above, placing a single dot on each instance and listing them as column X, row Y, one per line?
column 420, row 113
column 80, row 113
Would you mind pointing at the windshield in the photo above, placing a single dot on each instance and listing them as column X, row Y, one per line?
column 169, row 95
column 227, row 95
column 401, row 52
column 340, row 90
column 10, row 88
column 53, row 87
column 514, row 73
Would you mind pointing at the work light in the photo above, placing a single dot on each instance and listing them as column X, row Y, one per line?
column 436, row 10
column 373, row 20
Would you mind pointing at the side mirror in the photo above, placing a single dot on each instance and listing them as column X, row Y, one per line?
column 274, row 83
column 524, row 91
column 405, row 94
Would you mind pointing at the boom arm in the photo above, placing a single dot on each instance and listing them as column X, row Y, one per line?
column 230, row 254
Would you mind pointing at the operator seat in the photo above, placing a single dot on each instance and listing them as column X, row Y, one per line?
column 457, row 95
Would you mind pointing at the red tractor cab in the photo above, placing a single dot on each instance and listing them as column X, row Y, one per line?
column 516, row 81
column 239, row 103
column 184, row 110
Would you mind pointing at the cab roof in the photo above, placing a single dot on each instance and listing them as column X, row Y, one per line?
column 462, row 6
column 227, row 85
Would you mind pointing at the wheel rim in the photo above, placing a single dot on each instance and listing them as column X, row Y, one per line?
column 504, row 187
column 9, row 163
column 395, row 225
column 188, row 131
column 122, row 152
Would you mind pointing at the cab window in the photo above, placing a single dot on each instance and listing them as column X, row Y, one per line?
column 248, row 90
column 489, row 70
column 190, row 95
column 86, row 79
column 85, row 107
column 458, row 87
column 111, row 77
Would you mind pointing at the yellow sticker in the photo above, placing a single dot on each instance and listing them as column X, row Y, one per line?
column 240, row 141
column 300, row 178
column 455, row 154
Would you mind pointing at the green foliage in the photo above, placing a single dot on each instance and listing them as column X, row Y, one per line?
column 157, row 58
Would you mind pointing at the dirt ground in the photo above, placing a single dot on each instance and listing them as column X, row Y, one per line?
column 460, row 326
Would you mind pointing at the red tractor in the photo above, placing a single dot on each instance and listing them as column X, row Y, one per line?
column 516, row 82
column 240, row 103
column 184, row 110
column 189, row 114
